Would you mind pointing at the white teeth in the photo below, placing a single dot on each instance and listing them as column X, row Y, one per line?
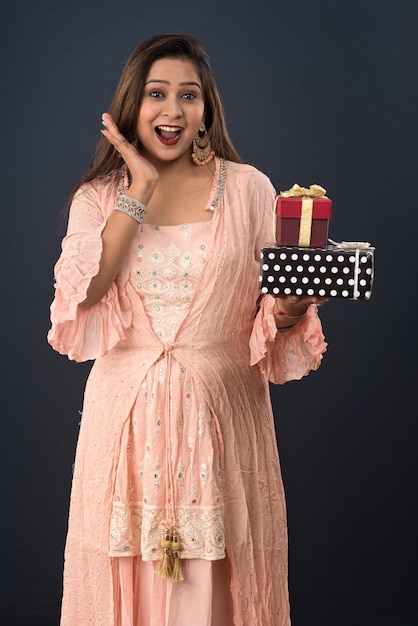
column 169, row 128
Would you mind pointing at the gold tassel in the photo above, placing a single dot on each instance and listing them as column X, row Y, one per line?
column 177, row 575
column 165, row 566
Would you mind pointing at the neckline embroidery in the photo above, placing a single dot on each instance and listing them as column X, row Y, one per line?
column 213, row 202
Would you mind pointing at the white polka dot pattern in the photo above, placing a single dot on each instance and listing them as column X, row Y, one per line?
column 331, row 272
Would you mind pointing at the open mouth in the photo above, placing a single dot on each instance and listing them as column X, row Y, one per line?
column 168, row 135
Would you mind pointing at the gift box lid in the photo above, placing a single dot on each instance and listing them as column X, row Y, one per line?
column 292, row 207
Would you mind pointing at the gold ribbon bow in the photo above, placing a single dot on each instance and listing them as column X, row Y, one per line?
column 314, row 191
column 307, row 195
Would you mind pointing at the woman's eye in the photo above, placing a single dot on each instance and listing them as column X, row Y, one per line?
column 156, row 94
column 189, row 96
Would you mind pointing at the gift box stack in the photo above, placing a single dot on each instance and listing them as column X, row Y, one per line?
column 301, row 262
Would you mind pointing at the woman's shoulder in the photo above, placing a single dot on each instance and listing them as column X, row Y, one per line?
column 99, row 188
column 249, row 175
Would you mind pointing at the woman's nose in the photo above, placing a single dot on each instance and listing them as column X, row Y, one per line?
column 172, row 107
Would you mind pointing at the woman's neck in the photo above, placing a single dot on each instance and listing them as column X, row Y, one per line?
column 181, row 194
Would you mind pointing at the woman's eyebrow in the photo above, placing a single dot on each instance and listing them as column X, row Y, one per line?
column 166, row 82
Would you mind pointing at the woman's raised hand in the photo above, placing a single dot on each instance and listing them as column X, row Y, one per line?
column 143, row 175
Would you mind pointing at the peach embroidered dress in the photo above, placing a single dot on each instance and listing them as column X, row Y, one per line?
column 177, row 427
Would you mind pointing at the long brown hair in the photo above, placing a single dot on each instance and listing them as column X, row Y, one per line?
column 129, row 92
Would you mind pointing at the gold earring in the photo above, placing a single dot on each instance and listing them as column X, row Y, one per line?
column 202, row 152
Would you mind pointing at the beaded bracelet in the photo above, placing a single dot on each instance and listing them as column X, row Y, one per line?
column 132, row 207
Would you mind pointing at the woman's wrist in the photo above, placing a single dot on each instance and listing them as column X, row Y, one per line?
column 286, row 320
column 140, row 191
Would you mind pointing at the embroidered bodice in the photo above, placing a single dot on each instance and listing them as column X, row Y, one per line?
column 167, row 264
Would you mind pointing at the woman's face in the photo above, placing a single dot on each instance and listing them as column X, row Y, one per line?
column 171, row 111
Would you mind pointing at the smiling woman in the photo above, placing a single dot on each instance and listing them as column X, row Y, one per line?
column 177, row 509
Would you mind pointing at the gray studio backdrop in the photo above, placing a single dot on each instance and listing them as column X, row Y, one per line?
column 320, row 91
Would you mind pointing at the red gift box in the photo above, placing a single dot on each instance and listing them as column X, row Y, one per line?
column 303, row 217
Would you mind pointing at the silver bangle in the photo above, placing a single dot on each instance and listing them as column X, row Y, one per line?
column 132, row 207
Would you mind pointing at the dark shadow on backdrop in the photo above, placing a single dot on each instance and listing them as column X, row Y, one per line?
column 321, row 92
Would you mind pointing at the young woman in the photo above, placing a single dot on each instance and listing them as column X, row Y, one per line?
column 177, row 511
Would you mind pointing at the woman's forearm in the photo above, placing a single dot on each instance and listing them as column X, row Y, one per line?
column 117, row 237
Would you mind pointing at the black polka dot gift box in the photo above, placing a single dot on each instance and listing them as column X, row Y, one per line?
column 338, row 271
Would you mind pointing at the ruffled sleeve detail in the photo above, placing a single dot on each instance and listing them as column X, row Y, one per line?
column 85, row 334
column 287, row 354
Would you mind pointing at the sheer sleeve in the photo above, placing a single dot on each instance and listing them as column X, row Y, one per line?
column 85, row 334
column 286, row 354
